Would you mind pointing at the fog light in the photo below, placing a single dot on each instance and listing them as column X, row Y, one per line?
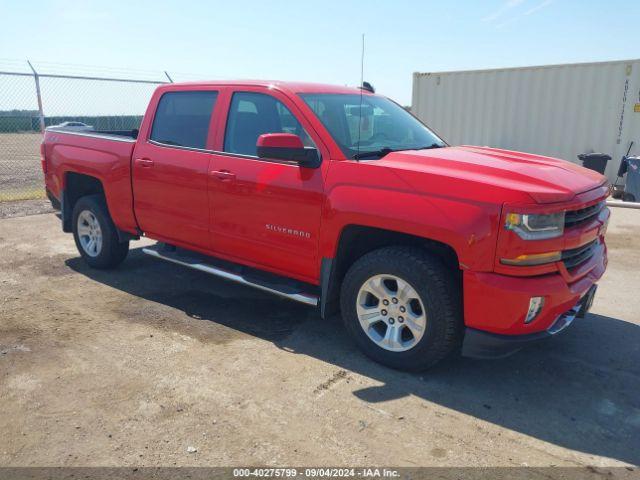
column 535, row 306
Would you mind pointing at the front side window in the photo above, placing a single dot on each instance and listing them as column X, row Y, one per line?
column 253, row 114
column 375, row 125
column 182, row 118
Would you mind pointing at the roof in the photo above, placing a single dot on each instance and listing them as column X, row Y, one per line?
column 294, row 87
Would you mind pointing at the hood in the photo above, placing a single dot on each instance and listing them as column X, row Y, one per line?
column 544, row 179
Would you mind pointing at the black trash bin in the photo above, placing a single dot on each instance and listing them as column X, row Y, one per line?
column 632, row 187
column 595, row 161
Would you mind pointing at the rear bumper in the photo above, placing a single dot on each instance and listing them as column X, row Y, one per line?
column 55, row 203
column 482, row 344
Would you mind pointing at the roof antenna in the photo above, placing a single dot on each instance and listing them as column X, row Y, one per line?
column 361, row 84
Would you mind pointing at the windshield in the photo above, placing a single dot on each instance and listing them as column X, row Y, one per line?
column 383, row 125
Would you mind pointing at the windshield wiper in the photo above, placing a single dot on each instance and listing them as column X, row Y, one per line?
column 374, row 153
column 433, row 145
column 384, row 151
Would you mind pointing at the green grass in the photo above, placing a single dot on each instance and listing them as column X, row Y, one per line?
column 22, row 194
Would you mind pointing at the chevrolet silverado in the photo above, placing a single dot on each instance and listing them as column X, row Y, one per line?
column 339, row 198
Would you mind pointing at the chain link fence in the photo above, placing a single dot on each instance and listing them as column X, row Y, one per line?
column 31, row 100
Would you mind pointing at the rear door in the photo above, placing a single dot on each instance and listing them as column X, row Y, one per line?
column 266, row 212
column 170, row 169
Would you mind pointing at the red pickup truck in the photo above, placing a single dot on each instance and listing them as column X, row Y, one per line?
column 339, row 198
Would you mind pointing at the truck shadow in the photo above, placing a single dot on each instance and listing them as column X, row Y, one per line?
column 579, row 391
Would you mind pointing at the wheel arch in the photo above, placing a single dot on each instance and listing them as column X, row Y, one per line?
column 76, row 185
column 355, row 241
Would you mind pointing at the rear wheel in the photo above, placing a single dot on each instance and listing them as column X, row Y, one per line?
column 402, row 307
column 95, row 234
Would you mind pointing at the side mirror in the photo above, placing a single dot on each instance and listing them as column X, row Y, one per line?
column 289, row 147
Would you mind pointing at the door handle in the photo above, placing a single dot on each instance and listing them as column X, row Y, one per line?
column 144, row 162
column 224, row 175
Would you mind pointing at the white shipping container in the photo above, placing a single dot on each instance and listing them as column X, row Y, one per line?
column 556, row 110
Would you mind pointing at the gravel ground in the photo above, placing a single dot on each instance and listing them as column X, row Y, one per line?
column 145, row 364
column 21, row 208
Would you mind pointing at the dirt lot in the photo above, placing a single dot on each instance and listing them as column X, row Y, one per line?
column 134, row 366
column 20, row 170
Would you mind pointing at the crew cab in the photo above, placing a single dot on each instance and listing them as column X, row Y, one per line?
column 339, row 198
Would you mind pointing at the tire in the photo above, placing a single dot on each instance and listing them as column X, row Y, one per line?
column 438, row 296
column 628, row 197
column 91, row 221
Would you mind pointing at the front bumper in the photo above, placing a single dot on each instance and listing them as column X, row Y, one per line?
column 482, row 344
column 495, row 306
column 498, row 303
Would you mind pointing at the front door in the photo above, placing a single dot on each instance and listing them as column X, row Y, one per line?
column 265, row 212
column 170, row 170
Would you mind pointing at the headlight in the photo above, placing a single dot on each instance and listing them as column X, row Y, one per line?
column 536, row 226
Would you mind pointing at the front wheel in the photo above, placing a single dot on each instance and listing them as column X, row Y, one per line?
column 95, row 234
column 402, row 307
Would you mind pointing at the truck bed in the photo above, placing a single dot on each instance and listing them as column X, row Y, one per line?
column 131, row 134
column 105, row 155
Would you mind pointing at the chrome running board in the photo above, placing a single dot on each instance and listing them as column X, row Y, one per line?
column 288, row 289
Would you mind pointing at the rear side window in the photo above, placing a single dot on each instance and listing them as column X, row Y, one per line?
column 182, row 118
column 251, row 115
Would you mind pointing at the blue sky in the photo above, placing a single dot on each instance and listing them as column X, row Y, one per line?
column 315, row 41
